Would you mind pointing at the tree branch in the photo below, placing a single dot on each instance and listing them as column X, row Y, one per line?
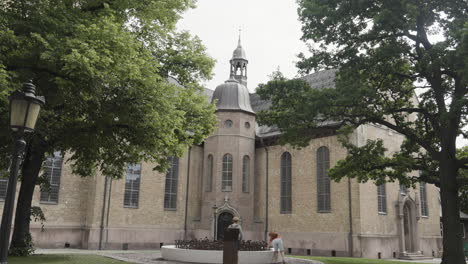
column 426, row 145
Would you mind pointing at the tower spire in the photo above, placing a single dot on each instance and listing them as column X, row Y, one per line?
column 239, row 63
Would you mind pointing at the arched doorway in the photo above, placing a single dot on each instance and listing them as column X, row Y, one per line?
column 224, row 220
column 408, row 217
column 408, row 228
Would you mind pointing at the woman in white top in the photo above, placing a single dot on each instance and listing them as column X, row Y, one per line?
column 278, row 247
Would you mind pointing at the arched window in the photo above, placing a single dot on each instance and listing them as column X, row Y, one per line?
column 209, row 174
column 170, row 190
column 286, row 184
column 226, row 182
column 323, row 181
column 422, row 192
column 132, row 185
column 382, row 199
column 245, row 174
column 53, row 168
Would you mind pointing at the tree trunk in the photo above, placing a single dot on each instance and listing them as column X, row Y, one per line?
column 452, row 237
column 30, row 172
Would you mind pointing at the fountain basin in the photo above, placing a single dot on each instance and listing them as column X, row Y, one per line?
column 213, row 256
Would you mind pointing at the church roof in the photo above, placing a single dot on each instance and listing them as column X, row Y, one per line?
column 317, row 80
column 232, row 96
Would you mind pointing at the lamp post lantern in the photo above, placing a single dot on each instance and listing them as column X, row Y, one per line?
column 24, row 110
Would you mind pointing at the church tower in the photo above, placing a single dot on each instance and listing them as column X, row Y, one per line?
column 229, row 157
column 239, row 64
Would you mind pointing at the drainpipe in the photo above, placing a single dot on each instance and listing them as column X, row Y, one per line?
column 101, row 233
column 350, row 236
column 108, row 210
column 187, row 193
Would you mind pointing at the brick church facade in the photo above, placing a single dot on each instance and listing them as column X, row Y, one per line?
column 241, row 170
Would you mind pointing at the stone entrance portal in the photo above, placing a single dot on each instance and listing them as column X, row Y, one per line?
column 224, row 220
column 408, row 216
column 408, row 227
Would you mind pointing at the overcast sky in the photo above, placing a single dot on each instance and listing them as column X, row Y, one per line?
column 270, row 36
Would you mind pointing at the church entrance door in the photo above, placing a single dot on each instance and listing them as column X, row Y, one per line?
column 224, row 220
column 408, row 226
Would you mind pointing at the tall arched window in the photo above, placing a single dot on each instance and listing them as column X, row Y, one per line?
column 226, row 181
column 53, row 168
column 209, row 174
column 286, row 184
column 170, row 190
column 132, row 185
column 323, row 181
column 422, row 192
column 381, row 199
column 245, row 174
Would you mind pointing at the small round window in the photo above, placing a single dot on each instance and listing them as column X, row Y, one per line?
column 228, row 123
column 247, row 125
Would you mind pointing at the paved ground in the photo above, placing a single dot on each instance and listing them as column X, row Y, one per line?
column 154, row 256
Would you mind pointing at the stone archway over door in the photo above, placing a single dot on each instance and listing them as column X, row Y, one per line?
column 408, row 226
column 408, row 229
column 224, row 220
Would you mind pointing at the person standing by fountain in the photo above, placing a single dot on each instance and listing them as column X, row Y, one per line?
column 236, row 225
column 278, row 247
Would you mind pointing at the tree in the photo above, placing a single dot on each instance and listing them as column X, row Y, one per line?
column 103, row 67
column 386, row 53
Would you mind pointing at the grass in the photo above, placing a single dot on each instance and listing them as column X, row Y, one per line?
column 64, row 259
column 335, row 260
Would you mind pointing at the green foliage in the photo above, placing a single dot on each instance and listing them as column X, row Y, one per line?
column 103, row 69
column 38, row 215
column 400, row 65
column 386, row 56
column 25, row 251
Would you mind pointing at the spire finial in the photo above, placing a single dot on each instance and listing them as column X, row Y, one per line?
column 239, row 42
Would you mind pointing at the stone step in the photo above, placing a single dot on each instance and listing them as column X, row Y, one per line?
column 414, row 256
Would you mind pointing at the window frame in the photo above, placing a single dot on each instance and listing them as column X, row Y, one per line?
column 246, row 174
column 130, row 191
column 3, row 193
column 56, row 157
column 209, row 173
column 423, row 198
column 323, row 181
column 226, row 173
column 382, row 199
column 171, row 184
column 286, row 183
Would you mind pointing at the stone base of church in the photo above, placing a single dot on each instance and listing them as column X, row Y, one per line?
column 112, row 238
column 58, row 237
column 316, row 244
column 387, row 247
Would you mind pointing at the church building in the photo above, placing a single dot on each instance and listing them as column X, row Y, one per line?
column 241, row 171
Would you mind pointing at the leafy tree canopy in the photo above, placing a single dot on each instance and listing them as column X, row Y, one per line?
column 103, row 67
column 400, row 64
column 385, row 56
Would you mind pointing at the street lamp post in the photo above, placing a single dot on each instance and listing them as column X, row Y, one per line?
column 215, row 211
column 24, row 110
